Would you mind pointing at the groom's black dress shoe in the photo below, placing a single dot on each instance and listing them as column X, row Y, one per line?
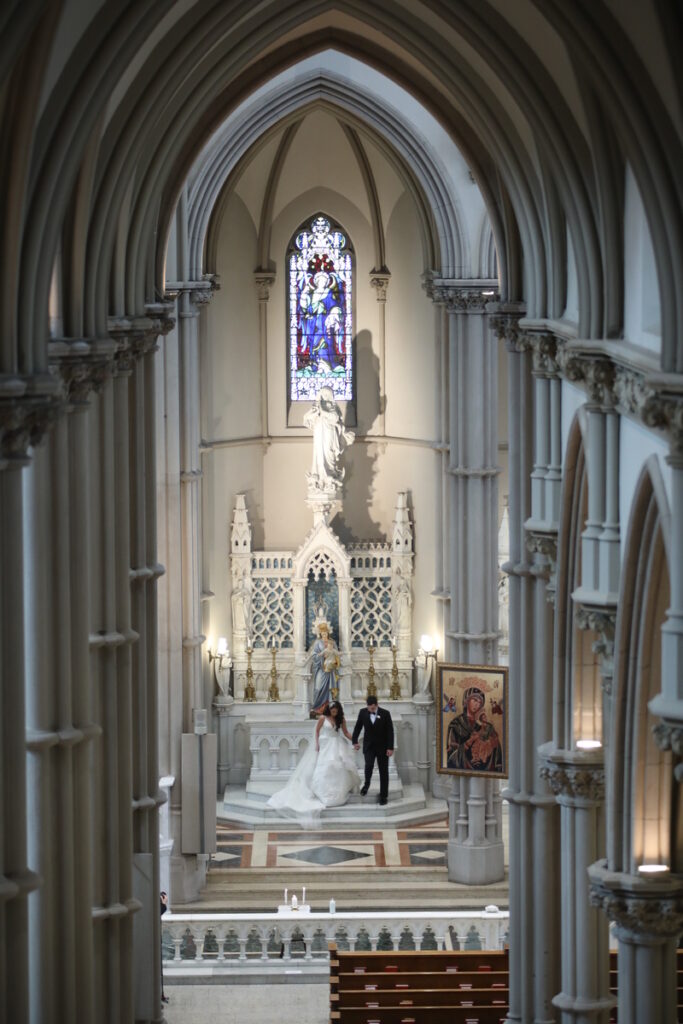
column 364, row 790
column 381, row 802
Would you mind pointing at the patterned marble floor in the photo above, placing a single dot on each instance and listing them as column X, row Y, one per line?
column 421, row 846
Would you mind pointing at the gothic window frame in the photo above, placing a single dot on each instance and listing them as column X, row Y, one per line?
column 306, row 244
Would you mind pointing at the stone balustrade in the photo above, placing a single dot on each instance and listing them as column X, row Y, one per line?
column 232, row 943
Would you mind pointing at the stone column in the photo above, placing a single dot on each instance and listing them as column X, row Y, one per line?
column 669, row 703
column 59, row 721
column 475, row 849
column 577, row 779
column 533, row 813
column 264, row 280
column 600, row 556
column 23, row 421
column 189, row 303
column 379, row 280
column 648, row 914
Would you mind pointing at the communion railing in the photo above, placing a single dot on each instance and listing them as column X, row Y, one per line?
column 229, row 943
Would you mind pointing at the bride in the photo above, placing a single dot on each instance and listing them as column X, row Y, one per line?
column 326, row 774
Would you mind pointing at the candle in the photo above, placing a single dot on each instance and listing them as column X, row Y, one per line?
column 303, row 897
column 285, row 899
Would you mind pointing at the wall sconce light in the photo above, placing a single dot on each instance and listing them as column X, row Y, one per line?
column 220, row 658
column 427, row 647
column 424, row 663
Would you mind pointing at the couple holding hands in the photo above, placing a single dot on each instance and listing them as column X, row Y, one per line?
column 327, row 773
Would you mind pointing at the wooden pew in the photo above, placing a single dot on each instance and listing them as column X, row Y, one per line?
column 418, row 987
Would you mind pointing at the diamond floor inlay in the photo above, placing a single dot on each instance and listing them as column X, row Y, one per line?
column 351, row 849
column 326, row 855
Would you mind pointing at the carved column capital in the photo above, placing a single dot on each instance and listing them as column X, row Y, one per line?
column 544, row 348
column 576, row 777
column 504, row 320
column 28, row 408
column 603, row 622
column 461, row 296
column 645, row 911
column 599, row 378
column 669, row 737
column 379, row 280
column 201, row 297
column 264, row 280
column 83, row 366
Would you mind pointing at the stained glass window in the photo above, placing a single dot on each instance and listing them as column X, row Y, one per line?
column 320, row 264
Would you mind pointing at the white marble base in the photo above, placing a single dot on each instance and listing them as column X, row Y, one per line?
column 410, row 807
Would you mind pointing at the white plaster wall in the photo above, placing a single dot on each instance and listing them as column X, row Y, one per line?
column 230, row 357
column 636, row 445
column 571, row 311
column 572, row 399
column 412, row 355
column 642, row 316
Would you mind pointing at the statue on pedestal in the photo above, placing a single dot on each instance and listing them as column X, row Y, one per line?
column 330, row 437
column 325, row 662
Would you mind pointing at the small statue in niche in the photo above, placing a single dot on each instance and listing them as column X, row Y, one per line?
column 403, row 601
column 330, row 437
column 241, row 606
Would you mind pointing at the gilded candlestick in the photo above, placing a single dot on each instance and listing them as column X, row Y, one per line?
column 395, row 691
column 372, row 688
column 273, row 692
column 249, row 691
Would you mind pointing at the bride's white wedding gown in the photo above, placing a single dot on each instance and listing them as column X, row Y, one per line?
column 321, row 779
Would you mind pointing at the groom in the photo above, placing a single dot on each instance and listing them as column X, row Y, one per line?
column 378, row 743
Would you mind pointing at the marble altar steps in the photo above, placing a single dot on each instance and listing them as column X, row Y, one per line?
column 418, row 987
column 372, row 889
column 408, row 805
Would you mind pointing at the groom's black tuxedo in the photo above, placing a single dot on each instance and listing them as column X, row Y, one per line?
column 377, row 739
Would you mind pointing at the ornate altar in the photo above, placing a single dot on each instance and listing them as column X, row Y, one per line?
column 363, row 591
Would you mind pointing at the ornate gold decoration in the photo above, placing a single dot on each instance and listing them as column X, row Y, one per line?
column 372, row 687
column 273, row 692
column 249, row 691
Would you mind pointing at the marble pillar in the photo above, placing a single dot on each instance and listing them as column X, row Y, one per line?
column 648, row 917
column 475, row 847
column 577, row 778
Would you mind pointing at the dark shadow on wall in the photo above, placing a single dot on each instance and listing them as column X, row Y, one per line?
column 367, row 382
column 354, row 524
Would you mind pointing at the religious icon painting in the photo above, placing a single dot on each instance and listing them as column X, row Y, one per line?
column 472, row 720
column 320, row 312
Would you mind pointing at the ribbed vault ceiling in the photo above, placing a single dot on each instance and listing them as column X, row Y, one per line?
column 107, row 111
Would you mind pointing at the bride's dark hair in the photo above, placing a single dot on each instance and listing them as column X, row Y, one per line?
column 340, row 713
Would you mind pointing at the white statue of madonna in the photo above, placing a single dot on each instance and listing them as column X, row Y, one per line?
column 330, row 437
